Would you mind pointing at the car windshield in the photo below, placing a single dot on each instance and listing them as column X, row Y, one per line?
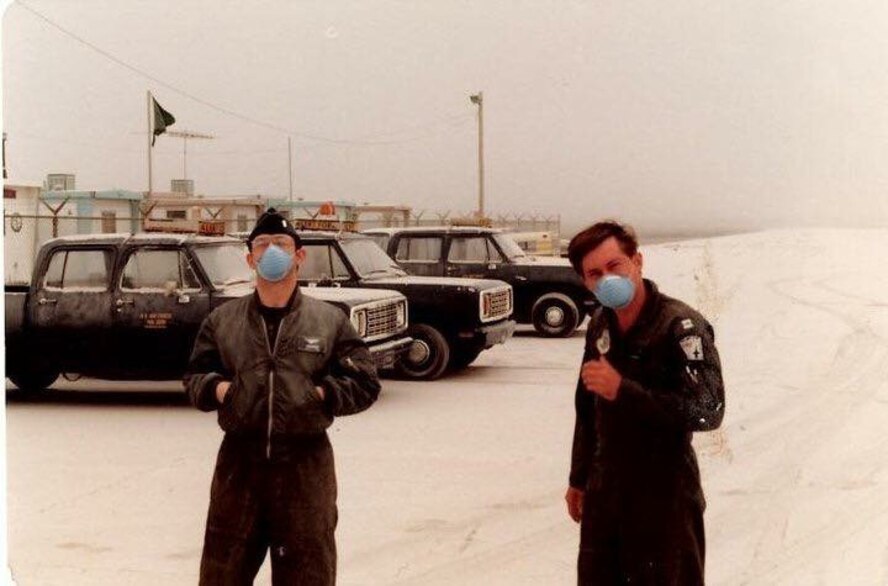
column 509, row 246
column 224, row 264
column 369, row 259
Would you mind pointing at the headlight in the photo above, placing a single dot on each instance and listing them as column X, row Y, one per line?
column 359, row 320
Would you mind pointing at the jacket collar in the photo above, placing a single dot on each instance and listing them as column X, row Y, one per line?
column 293, row 305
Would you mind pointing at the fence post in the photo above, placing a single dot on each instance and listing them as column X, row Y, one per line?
column 55, row 215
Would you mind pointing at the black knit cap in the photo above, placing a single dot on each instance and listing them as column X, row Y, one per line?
column 272, row 222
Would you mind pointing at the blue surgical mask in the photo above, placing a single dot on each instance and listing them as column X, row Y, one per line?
column 274, row 264
column 614, row 291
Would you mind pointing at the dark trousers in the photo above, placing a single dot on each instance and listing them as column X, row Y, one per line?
column 286, row 504
column 640, row 540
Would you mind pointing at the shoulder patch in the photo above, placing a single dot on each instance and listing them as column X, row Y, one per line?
column 687, row 324
column 692, row 347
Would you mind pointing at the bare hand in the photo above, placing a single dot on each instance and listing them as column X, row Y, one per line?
column 574, row 498
column 601, row 378
column 222, row 390
column 320, row 391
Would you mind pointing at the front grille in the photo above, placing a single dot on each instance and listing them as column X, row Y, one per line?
column 496, row 303
column 383, row 320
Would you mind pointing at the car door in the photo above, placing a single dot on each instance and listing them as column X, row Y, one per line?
column 421, row 254
column 159, row 304
column 473, row 255
column 71, row 307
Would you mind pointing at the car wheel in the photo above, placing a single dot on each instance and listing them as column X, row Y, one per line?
column 428, row 355
column 34, row 380
column 555, row 315
column 462, row 357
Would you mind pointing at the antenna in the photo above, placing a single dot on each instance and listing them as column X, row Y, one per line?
column 185, row 135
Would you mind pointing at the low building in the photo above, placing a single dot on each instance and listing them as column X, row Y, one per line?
column 180, row 213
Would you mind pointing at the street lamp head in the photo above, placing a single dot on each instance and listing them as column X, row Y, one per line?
column 475, row 98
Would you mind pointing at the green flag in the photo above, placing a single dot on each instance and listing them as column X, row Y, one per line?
column 162, row 119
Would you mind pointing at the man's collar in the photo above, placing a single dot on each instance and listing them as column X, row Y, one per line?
column 648, row 310
column 292, row 302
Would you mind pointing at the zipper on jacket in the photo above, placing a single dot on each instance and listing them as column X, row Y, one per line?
column 273, row 352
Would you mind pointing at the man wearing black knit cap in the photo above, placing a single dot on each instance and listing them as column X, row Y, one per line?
column 277, row 366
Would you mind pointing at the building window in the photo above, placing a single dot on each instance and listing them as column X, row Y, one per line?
column 177, row 215
column 109, row 222
column 242, row 222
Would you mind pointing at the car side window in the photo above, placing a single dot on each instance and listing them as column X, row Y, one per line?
column 322, row 261
column 84, row 270
column 425, row 249
column 158, row 269
column 469, row 249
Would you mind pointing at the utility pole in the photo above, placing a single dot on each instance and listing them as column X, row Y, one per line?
column 478, row 99
column 290, row 165
column 4, row 156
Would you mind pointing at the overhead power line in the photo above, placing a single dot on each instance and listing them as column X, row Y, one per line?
column 227, row 111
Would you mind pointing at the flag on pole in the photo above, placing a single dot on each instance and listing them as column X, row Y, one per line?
column 162, row 119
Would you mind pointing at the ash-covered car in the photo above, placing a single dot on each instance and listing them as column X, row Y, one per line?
column 452, row 320
column 548, row 293
column 128, row 307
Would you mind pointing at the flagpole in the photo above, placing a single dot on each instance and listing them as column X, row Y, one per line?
column 150, row 136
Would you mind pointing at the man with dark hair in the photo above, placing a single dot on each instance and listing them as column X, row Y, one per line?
column 277, row 366
column 650, row 377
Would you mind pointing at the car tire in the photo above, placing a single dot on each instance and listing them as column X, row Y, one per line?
column 461, row 358
column 428, row 355
column 555, row 315
column 34, row 380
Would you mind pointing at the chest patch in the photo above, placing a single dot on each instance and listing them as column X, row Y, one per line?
column 692, row 347
column 312, row 345
column 603, row 343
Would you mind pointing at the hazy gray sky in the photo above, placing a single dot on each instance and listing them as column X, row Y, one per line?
column 687, row 115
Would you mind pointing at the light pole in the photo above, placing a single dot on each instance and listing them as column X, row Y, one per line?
column 479, row 100
column 290, row 166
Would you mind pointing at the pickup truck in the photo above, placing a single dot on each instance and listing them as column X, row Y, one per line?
column 128, row 307
column 451, row 320
column 548, row 293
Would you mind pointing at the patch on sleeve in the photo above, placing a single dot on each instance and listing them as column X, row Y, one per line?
column 603, row 343
column 692, row 347
column 687, row 324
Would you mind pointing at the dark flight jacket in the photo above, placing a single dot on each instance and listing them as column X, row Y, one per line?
column 272, row 389
column 640, row 443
